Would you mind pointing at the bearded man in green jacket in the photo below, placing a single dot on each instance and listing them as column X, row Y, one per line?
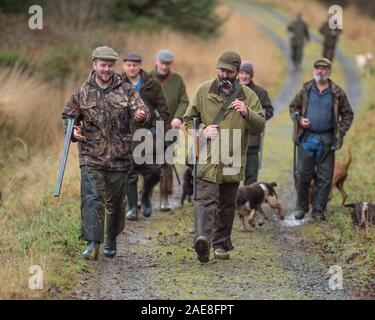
column 218, row 181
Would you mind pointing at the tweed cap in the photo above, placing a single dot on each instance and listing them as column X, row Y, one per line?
column 104, row 53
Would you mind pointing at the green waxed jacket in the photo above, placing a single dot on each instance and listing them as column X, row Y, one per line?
column 205, row 105
column 175, row 94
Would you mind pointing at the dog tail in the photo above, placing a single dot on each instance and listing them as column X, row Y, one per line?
column 349, row 161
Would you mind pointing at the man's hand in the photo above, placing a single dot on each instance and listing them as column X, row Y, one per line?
column 140, row 115
column 77, row 133
column 304, row 122
column 240, row 107
column 211, row 131
column 176, row 123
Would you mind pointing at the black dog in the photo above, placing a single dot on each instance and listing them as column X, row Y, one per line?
column 187, row 185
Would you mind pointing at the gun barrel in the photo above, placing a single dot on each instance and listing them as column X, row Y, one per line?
column 195, row 128
column 64, row 156
column 176, row 173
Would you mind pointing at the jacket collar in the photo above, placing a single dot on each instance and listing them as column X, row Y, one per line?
column 144, row 76
column 116, row 81
column 334, row 87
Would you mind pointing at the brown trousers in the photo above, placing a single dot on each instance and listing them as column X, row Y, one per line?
column 214, row 212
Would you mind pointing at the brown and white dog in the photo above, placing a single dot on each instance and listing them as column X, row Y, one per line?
column 363, row 213
column 250, row 199
column 340, row 174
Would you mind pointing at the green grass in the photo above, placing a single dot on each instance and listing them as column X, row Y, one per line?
column 37, row 229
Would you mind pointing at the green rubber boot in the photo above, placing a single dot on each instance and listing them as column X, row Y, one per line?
column 146, row 197
column 110, row 248
column 132, row 213
column 91, row 251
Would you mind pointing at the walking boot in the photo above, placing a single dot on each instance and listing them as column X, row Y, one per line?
column 318, row 215
column 132, row 213
column 202, row 248
column 221, row 254
column 299, row 214
column 110, row 248
column 91, row 251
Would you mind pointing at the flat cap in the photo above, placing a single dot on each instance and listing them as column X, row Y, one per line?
column 164, row 55
column 229, row 60
column 323, row 62
column 104, row 53
column 133, row 57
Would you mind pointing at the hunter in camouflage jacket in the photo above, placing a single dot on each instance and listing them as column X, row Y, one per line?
column 105, row 116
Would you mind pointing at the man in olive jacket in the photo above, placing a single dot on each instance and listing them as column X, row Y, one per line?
column 103, row 108
column 331, row 37
column 177, row 100
column 218, row 181
column 322, row 115
column 298, row 31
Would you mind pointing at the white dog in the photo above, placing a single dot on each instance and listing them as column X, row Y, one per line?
column 363, row 62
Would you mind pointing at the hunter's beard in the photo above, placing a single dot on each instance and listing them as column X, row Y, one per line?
column 320, row 79
column 226, row 83
column 105, row 78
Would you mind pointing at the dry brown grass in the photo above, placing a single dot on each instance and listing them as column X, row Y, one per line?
column 195, row 58
column 32, row 107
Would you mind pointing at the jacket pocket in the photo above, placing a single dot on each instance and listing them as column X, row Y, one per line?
column 120, row 117
column 121, row 146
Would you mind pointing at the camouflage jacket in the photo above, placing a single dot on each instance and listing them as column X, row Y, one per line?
column 255, row 140
column 343, row 113
column 330, row 36
column 104, row 116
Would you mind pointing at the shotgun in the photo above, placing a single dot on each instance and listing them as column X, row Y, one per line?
column 64, row 156
column 195, row 156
